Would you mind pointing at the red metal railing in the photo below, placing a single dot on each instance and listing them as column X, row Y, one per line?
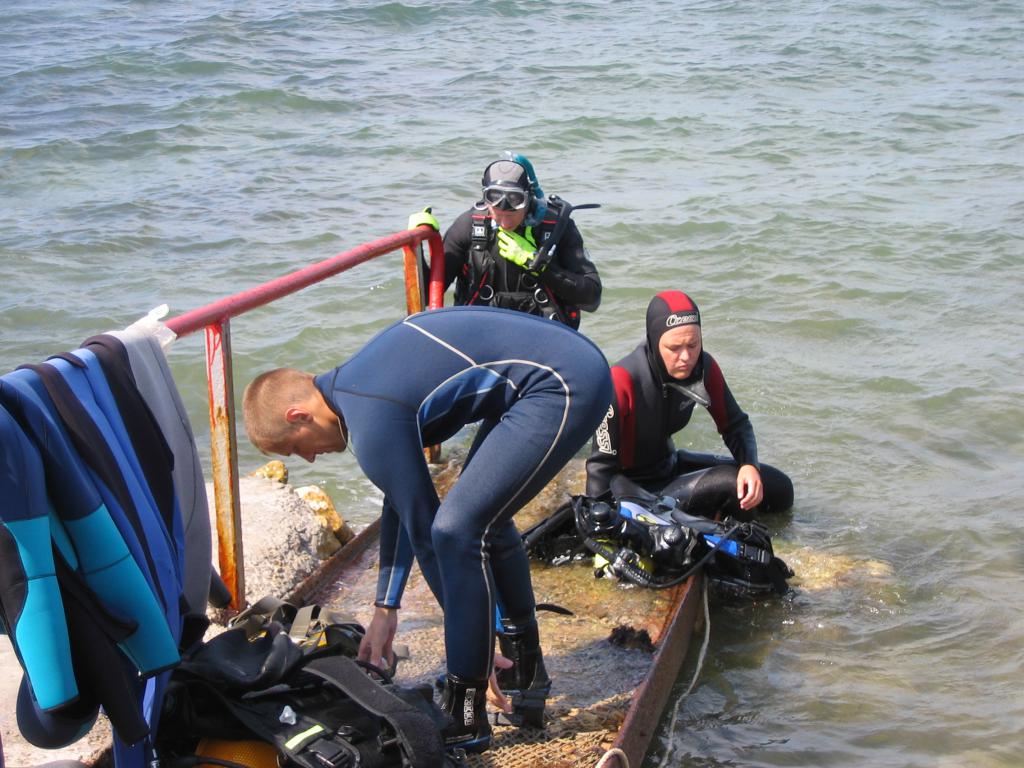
column 215, row 317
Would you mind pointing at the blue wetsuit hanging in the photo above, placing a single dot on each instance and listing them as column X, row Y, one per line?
column 538, row 390
column 138, row 347
column 95, row 520
column 30, row 601
column 98, row 444
column 83, row 396
column 106, row 598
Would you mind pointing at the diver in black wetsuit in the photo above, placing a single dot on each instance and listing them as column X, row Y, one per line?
column 656, row 387
column 517, row 249
column 538, row 390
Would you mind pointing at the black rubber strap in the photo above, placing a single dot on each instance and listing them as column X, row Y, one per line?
column 418, row 734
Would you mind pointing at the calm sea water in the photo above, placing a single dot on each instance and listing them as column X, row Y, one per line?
column 839, row 184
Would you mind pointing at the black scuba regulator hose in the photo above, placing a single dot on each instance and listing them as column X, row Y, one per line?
column 638, row 576
column 700, row 563
column 634, row 574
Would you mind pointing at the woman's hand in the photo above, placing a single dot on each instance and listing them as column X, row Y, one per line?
column 749, row 489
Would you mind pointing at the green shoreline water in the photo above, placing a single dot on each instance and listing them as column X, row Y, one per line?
column 838, row 184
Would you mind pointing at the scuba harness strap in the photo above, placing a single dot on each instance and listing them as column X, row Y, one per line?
column 488, row 282
column 414, row 730
column 288, row 676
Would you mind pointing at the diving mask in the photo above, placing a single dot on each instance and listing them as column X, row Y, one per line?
column 506, row 198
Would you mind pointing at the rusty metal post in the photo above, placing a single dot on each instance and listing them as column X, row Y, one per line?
column 224, row 455
column 415, row 295
column 414, row 288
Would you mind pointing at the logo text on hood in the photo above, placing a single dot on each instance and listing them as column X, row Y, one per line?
column 684, row 319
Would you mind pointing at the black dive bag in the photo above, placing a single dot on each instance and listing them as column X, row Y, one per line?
column 653, row 543
column 305, row 694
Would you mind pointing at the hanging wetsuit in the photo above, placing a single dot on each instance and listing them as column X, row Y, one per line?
column 538, row 390
column 136, row 355
column 633, row 446
column 569, row 284
column 108, row 595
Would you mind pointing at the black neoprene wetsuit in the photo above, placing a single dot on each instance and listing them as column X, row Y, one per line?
column 570, row 282
column 633, row 445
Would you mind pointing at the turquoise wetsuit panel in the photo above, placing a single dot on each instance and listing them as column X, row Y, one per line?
column 29, row 593
column 100, row 546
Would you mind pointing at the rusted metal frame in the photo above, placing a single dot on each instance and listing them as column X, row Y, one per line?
column 415, row 299
column 327, row 573
column 415, row 295
column 215, row 319
column 224, row 457
column 244, row 301
column 651, row 696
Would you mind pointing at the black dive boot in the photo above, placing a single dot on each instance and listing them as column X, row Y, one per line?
column 527, row 683
column 464, row 701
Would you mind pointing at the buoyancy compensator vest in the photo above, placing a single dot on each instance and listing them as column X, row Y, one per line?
column 493, row 281
column 652, row 543
column 292, row 681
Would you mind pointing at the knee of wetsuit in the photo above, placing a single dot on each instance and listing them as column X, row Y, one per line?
column 709, row 492
column 778, row 490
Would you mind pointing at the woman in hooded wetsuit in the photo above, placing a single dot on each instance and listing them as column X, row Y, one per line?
column 657, row 386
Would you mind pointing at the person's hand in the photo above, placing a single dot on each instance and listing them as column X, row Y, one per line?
column 494, row 695
column 749, row 489
column 375, row 647
column 515, row 248
column 426, row 216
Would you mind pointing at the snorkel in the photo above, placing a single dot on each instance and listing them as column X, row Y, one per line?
column 540, row 206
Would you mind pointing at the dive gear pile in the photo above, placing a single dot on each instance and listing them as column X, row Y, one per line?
column 289, row 677
column 653, row 543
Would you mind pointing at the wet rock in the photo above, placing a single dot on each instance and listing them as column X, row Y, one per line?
column 273, row 470
column 625, row 636
column 323, row 507
column 283, row 539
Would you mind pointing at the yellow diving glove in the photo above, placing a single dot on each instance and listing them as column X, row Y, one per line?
column 516, row 248
column 425, row 216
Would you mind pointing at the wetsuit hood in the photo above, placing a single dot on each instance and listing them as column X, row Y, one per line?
column 668, row 310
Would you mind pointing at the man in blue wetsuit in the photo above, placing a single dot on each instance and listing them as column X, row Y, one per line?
column 538, row 390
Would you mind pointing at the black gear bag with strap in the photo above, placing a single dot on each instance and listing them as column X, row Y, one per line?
column 308, row 697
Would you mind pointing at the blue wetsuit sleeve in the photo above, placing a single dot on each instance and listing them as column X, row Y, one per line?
column 396, row 558
column 386, row 440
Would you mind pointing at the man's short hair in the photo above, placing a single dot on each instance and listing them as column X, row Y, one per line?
column 267, row 398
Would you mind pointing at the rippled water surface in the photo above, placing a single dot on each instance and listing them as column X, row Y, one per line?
column 839, row 184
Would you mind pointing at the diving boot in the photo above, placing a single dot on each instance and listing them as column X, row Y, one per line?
column 526, row 683
column 465, row 702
